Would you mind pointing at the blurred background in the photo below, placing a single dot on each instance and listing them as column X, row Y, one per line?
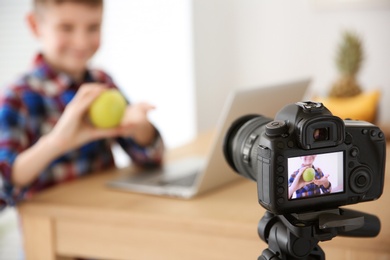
column 185, row 56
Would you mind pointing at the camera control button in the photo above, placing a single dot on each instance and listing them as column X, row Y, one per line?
column 360, row 180
column 348, row 139
column 276, row 128
column 280, row 168
column 351, row 165
column 373, row 133
column 280, row 180
column 280, row 158
column 280, row 200
column 364, row 131
column 354, row 152
column 280, row 190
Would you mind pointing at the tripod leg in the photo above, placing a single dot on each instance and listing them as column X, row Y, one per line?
column 317, row 254
column 268, row 255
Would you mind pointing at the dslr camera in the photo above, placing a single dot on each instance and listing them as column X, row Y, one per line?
column 346, row 157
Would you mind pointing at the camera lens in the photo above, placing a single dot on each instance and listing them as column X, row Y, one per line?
column 239, row 142
column 321, row 134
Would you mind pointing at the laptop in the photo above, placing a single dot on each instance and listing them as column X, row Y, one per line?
column 188, row 177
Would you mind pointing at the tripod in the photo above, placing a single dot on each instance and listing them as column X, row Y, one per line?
column 296, row 236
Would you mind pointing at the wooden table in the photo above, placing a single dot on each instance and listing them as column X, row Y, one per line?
column 86, row 219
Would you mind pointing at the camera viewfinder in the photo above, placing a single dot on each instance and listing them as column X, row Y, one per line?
column 321, row 134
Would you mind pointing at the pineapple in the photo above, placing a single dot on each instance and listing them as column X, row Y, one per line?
column 348, row 60
column 346, row 98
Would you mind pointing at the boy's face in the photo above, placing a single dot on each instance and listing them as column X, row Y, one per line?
column 69, row 34
column 308, row 160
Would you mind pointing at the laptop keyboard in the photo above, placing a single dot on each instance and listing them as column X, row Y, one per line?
column 182, row 173
column 161, row 180
column 185, row 181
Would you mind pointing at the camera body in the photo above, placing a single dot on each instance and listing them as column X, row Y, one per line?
column 348, row 158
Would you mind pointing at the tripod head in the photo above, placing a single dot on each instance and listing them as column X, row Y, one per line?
column 296, row 236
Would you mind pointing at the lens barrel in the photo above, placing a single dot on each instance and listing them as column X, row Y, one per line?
column 239, row 142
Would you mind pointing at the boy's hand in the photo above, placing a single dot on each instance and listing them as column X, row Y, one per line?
column 72, row 130
column 324, row 181
column 298, row 182
column 135, row 124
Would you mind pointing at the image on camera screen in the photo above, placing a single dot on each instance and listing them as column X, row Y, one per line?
column 315, row 175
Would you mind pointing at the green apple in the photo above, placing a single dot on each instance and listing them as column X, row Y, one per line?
column 107, row 110
column 308, row 174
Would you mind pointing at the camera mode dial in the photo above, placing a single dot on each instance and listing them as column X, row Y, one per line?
column 276, row 128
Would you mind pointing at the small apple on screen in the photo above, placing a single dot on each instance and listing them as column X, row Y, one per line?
column 107, row 110
column 308, row 174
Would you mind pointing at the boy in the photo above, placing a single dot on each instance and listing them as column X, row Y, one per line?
column 319, row 184
column 45, row 137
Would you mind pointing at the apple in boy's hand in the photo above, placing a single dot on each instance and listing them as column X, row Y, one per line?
column 107, row 110
column 308, row 174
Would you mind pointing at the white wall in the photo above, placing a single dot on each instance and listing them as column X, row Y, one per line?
column 17, row 46
column 147, row 48
column 216, row 55
column 242, row 43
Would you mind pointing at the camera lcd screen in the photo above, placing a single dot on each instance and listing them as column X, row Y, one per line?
column 315, row 175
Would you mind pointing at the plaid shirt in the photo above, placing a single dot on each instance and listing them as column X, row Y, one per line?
column 30, row 108
column 310, row 189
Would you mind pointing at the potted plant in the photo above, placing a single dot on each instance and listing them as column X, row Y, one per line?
column 346, row 98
